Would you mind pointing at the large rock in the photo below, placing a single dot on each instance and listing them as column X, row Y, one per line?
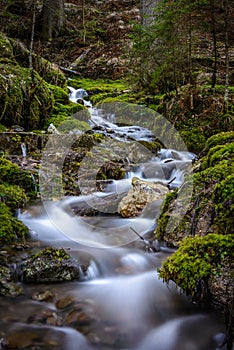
column 141, row 194
column 50, row 265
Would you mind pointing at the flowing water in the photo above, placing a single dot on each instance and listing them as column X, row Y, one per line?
column 120, row 303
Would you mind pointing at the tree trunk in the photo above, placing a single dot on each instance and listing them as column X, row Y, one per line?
column 53, row 18
column 148, row 11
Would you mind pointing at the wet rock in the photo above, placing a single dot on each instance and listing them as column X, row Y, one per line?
column 64, row 302
column 43, row 296
column 50, row 265
column 7, row 286
column 45, row 316
column 141, row 194
column 46, row 338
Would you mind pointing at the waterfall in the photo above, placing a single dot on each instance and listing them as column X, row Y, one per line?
column 24, row 150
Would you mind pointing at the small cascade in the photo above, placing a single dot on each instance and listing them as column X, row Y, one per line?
column 77, row 96
column 24, row 150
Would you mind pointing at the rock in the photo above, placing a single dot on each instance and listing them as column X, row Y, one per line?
column 50, row 265
column 141, row 194
column 64, row 302
column 43, row 296
column 7, row 286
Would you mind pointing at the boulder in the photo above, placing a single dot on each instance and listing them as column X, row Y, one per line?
column 142, row 193
column 50, row 265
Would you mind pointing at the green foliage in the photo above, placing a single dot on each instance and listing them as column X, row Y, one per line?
column 197, row 258
column 11, row 229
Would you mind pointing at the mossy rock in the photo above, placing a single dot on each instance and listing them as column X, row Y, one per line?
column 6, row 50
column 220, row 139
column 196, row 260
column 152, row 146
column 194, row 139
column 25, row 98
column 69, row 117
column 49, row 266
column 12, row 174
column 224, row 205
column 11, row 229
column 49, row 72
column 60, row 95
column 13, row 196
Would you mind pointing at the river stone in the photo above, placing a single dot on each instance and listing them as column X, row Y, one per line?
column 7, row 286
column 43, row 296
column 50, row 265
column 142, row 193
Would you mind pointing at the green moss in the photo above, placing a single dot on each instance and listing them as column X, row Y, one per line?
column 222, row 153
column 213, row 174
column 72, row 124
column 25, row 98
column 196, row 259
column 11, row 229
column 12, row 174
column 6, row 49
column 52, row 253
column 152, row 146
column 13, row 196
column 62, row 112
column 220, row 139
column 60, row 95
column 164, row 215
column 224, row 205
column 194, row 139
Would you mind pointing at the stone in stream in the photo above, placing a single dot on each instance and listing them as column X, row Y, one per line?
column 51, row 265
column 7, row 286
column 141, row 194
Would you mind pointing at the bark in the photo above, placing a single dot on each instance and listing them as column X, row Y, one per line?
column 53, row 18
column 148, row 11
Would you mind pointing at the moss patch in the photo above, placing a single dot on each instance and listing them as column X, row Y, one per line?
column 11, row 229
column 197, row 259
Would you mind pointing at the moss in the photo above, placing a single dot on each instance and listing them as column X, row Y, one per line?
column 6, row 49
column 220, row 139
column 197, row 259
column 224, row 205
column 24, row 96
column 52, row 253
column 62, row 112
column 101, row 90
column 72, row 124
column 12, row 174
column 222, row 153
column 13, row 196
column 60, row 95
column 11, row 229
column 164, row 215
column 152, row 146
column 194, row 139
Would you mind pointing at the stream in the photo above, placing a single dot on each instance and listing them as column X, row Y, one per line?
column 120, row 303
